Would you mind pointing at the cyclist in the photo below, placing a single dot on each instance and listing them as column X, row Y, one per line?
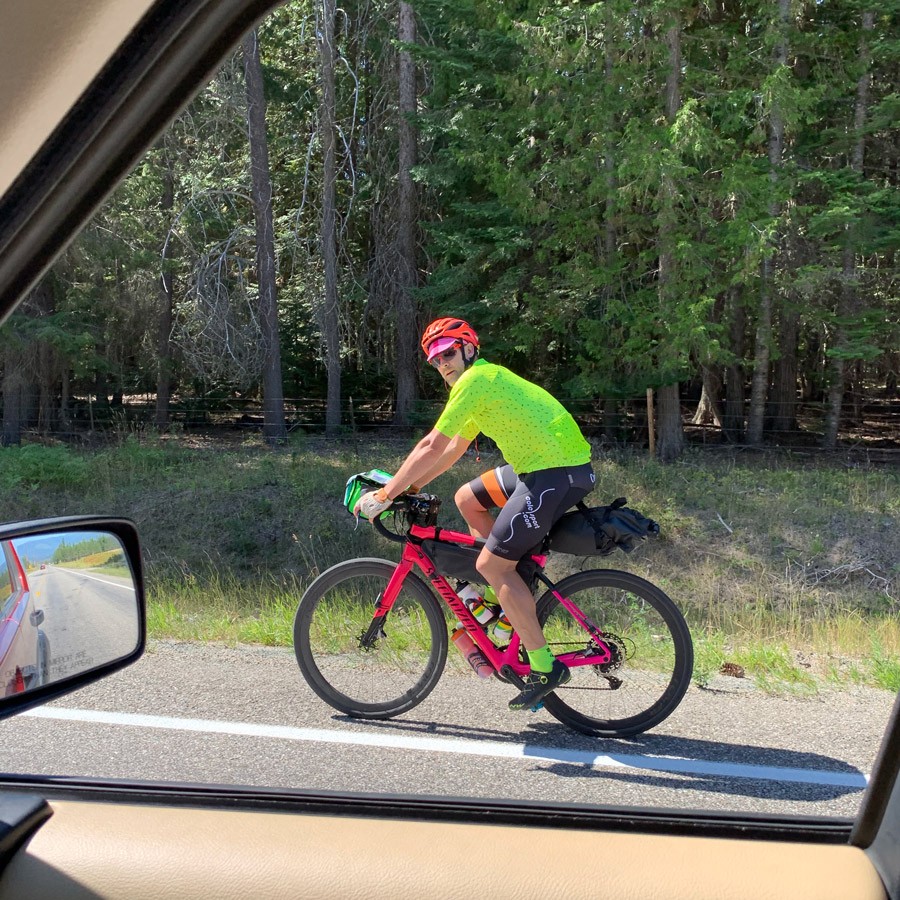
column 544, row 449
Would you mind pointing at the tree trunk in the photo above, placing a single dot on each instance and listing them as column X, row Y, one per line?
column 669, row 426
column 274, row 429
column 164, row 321
column 610, row 237
column 612, row 420
column 733, row 423
column 65, row 418
column 13, row 382
column 670, row 438
column 783, row 400
column 46, row 412
column 760, row 382
column 709, row 411
column 38, row 359
column 407, row 336
column 848, row 300
column 327, row 310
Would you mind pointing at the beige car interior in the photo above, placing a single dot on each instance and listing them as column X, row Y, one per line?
column 140, row 852
column 51, row 51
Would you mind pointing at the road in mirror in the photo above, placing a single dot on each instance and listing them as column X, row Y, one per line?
column 67, row 605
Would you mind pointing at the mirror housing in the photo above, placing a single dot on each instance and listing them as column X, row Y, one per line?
column 72, row 603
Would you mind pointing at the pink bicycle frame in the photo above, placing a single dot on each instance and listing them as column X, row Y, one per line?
column 414, row 556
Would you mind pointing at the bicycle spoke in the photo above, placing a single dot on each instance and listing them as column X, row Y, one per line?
column 644, row 645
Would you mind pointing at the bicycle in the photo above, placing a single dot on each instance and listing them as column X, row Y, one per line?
column 371, row 639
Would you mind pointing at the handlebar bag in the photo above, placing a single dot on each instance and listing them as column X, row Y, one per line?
column 361, row 483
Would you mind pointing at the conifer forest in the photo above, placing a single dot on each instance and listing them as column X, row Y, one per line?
column 694, row 204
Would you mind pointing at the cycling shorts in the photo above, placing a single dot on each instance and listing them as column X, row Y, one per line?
column 529, row 504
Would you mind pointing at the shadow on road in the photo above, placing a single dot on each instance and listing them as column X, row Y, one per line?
column 659, row 760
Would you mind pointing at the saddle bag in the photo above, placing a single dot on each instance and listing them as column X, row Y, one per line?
column 599, row 530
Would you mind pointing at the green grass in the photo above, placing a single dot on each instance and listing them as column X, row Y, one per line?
column 787, row 568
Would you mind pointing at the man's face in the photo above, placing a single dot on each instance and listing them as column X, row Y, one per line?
column 450, row 364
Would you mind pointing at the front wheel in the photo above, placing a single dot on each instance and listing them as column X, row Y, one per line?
column 652, row 654
column 403, row 664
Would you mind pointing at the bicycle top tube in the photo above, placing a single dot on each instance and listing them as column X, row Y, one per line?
column 447, row 536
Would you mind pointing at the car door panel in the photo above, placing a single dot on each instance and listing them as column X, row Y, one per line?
column 136, row 851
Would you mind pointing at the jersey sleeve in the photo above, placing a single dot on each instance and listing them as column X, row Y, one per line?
column 458, row 417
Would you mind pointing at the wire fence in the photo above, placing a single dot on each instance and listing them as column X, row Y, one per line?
column 873, row 426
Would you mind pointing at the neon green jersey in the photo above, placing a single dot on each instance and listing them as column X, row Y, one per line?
column 532, row 429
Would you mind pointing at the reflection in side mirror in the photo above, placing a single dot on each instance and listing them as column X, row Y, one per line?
column 71, row 604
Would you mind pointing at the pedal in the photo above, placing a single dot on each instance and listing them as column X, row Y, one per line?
column 510, row 676
column 538, row 706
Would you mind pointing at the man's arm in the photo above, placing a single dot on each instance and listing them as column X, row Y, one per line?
column 432, row 456
column 454, row 451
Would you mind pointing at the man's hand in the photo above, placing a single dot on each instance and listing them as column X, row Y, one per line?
column 372, row 505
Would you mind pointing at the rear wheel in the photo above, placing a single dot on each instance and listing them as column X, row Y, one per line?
column 404, row 662
column 652, row 660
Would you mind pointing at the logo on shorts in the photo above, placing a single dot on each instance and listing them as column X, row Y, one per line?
column 528, row 516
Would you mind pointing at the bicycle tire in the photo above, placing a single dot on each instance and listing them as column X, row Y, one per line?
column 396, row 674
column 651, row 642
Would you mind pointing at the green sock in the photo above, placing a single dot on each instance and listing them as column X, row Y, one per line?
column 490, row 597
column 541, row 660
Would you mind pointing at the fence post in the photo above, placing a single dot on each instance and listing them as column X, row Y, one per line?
column 651, row 423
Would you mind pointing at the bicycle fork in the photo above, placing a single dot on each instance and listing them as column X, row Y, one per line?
column 384, row 603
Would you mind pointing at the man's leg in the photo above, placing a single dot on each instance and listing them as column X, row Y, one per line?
column 479, row 520
column 514, row 596
column 547, row 672
column 489, row 491
column 533, row 507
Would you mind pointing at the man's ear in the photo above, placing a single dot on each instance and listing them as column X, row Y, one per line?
column 469, row 352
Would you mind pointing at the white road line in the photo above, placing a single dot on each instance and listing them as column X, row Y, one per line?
column 670, row 764
column 124, row 587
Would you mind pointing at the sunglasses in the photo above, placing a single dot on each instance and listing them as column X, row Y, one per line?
column 444, row 356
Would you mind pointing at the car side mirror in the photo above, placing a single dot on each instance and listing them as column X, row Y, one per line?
column 72, row 606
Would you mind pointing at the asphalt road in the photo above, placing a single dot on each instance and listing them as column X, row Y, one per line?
column 89, row 618
column 211, row 714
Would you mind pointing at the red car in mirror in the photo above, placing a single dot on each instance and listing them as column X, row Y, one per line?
column 24, row 648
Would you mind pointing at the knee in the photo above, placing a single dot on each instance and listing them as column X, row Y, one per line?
column 492, row 567
column 466, row 502
column 484, row 567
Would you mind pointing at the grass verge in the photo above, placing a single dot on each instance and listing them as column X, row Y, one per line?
column 788, row 569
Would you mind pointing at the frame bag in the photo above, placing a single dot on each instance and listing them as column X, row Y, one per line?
column 599, row 530
column 459, row 561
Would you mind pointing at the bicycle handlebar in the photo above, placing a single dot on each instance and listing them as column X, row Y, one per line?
column 420, row 509
column 384, row 531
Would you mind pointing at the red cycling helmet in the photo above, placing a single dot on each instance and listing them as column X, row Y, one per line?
column 443, row 333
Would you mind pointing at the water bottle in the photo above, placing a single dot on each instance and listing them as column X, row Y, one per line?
column 474, row 602
column 502, row 629
column 474, row 657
